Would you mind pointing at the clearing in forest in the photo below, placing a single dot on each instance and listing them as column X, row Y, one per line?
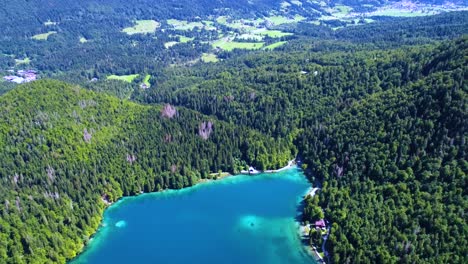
column 209, row 57
column 125, row 78
column 142, row 27
column 22, row 61
column 184, row 25
column 44, row 36
column 230, row 45
column 278, row 20
column 146, row 80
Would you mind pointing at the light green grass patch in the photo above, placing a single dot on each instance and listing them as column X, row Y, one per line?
column 125, row 78
column 393, row 12
column 142, row 27
column 208, row 22
column 231, row 45
column 274, row 33
column 239, row 25
column 22, row 61
column 44, row 36
column 209, row 57
column 342, row 10
column 170, row 44
column 175, row 22
column 184, row 25
column 184, row 39
column 278, row 20
column 209, row 25
column 146, row 80
column 250, row 37
column 285, row 5
column 299, row 18
column 275, row 45
column 222, row 20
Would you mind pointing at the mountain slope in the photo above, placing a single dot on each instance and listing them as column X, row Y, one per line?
column 394, row 168
column 63, row 148
column 383, row 130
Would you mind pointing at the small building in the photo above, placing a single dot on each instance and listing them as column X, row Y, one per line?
column 14, row 79
column 144, row 86
column 320, row 224
column 252, row 170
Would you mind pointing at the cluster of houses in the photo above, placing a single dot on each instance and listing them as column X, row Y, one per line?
column 22, row 76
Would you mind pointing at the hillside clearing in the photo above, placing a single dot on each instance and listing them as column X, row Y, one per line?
column 142, row 27
column 125, row 78
column 43, row 36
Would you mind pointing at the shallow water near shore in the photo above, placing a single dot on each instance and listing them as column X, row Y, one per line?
column 240, row 219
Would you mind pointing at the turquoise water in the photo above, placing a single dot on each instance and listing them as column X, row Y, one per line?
column 241, row 219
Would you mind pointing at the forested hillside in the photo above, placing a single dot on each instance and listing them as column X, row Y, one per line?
column 377, row 114
column 382, row 130
column 64, row 148
column 393, row 167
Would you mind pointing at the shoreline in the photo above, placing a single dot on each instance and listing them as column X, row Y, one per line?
column 253, row 171
column 304, row 236
column 108, row 204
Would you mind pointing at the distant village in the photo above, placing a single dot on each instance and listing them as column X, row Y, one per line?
column 21, row 76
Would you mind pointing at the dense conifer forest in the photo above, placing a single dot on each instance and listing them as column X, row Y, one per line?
column 376, row 113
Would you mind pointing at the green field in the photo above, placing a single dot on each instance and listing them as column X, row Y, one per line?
column 125, row 78
column 184, row 25
column 184, row 39
column 209, row 57
column 22, row 61
column 142, row 27
column 278, row 20
column 254, row 37
column 209, row 25
column 400, row 13
column 169, row 44
column 146, row 80
column 237, row 24
column 275, row 45
column 221, row 20
column 44, row 36
column 230, row 45
column 274, row 33
column 341, row 10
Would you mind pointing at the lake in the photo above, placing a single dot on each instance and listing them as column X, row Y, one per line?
column 239, row 219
